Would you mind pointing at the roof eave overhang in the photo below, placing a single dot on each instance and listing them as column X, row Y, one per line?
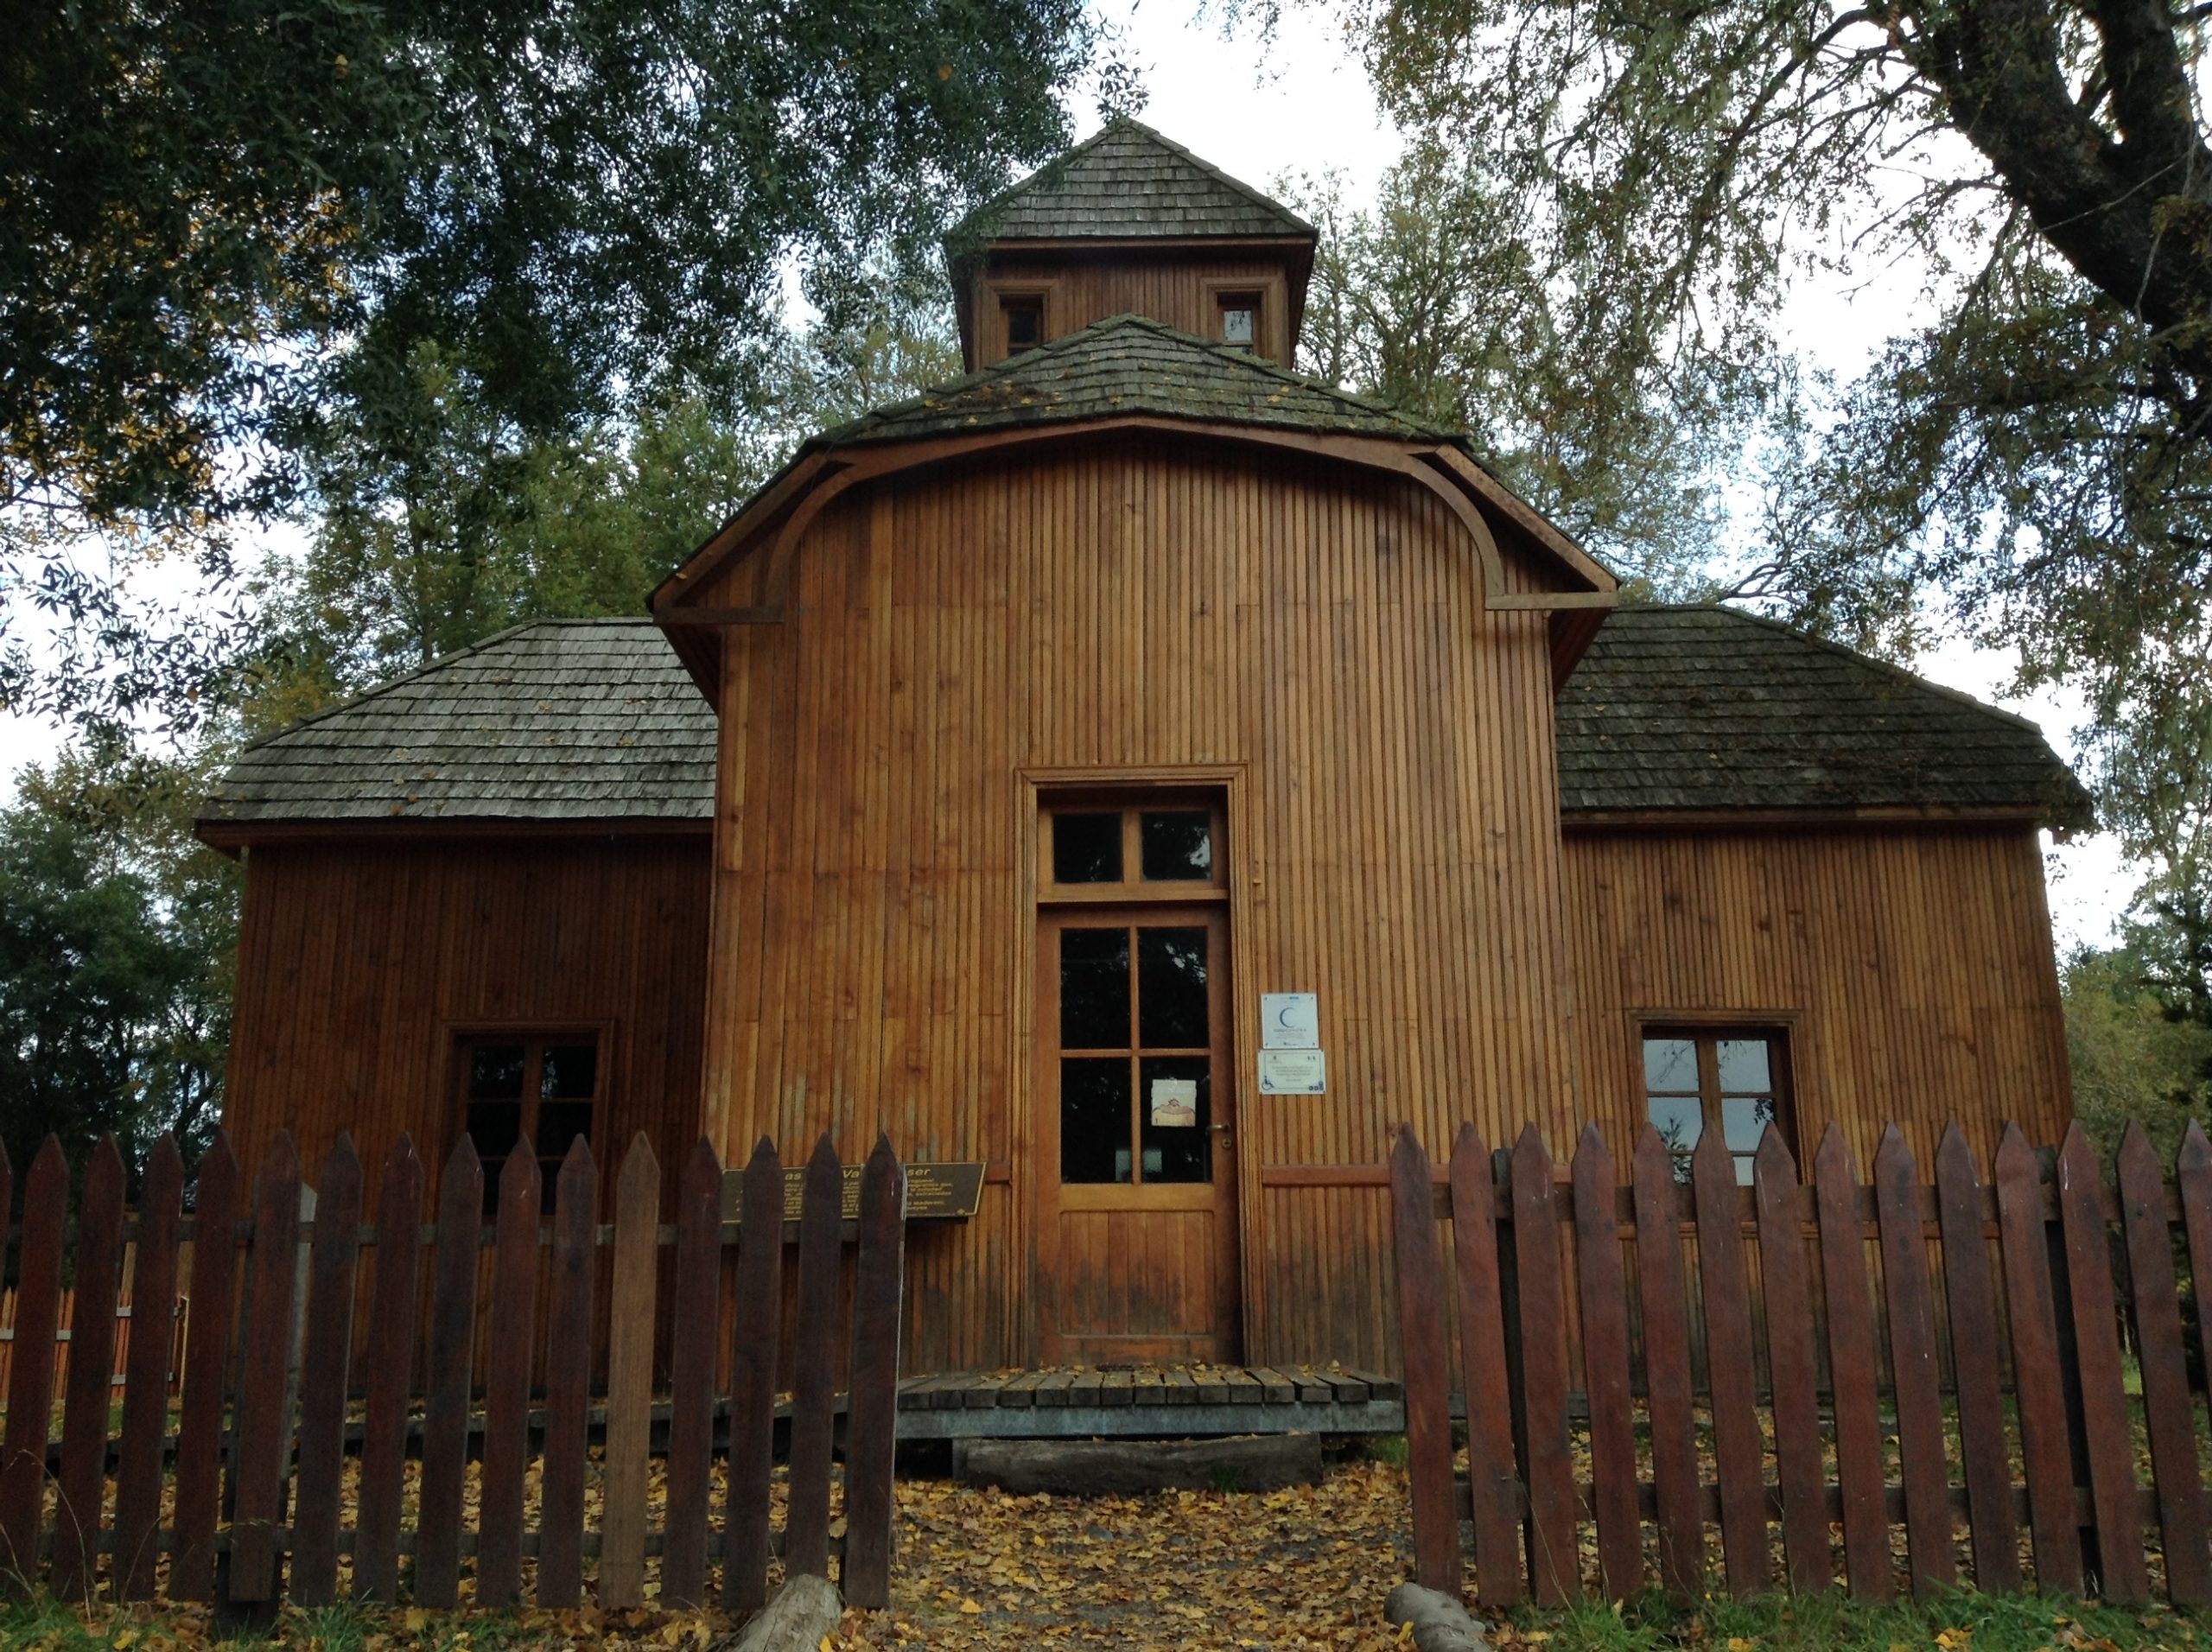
column 229, row 835
column 775, row 522
column 2023, row 817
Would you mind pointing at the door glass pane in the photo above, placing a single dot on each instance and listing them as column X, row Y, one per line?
column 1095, row 989
column 1743, row 1065
column 1175, row 1088
column 1087, row 848
column 494, row 1073
column 1171, row 988
column 1670, row 1063
column 1094, row 1119
column 570, row 1072
column 1177, row 847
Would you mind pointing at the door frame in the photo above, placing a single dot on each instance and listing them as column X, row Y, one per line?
column 1035, row 786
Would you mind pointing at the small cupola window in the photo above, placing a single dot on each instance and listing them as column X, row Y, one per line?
column 1240, row 321
column 1025, row 321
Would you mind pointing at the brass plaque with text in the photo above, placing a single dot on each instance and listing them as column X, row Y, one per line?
column 934, row 1192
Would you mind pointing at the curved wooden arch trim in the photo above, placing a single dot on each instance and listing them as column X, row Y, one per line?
column 829, row 476
column 1524, row 515
column 667, row 604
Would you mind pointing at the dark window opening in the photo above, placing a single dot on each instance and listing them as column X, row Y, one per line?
column 1024, row 322
column 543, row 1089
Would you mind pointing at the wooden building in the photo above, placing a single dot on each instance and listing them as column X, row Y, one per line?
column 1152, row 776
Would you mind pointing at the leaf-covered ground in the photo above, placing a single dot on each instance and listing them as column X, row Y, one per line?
column 1286, row 1571
column 980, row 1571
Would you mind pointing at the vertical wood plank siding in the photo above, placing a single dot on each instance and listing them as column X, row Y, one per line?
column 1132, row 605
column 1917, row 962
column 360, row 961
column 1177, row 291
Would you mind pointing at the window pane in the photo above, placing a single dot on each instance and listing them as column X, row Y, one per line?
column 1670, row 1064
column 1094, row 1119
column 494, row 1073
column 1176, row 1152
column 1743, row 1120
column 570, row 1071
column 1171, row 988
column 1237, row 324
column 1095, row 989
column 494, row 1127
column 1678, row 1121
column 1178, row 846
column 1746, row 1167
column 1743, row 1065
column 1087, row 848
column 560, row 1123
column 1024, row 324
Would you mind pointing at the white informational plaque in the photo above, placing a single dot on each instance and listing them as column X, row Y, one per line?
column 1290, row 1021
column 1294, row 1072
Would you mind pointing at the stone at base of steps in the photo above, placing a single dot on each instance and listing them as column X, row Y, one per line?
column 1440, row 1623
column 1121, row 1468
column 803, row 1611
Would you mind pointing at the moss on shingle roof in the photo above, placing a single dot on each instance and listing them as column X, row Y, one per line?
column 1693, row 710
column 1130, row 364
column 1708, row 707
column 558, row 720
column 1125, row 183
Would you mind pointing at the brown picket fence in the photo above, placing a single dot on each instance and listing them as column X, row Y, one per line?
column 480, row 1433
column 1939, row 1375
column 126, row 1324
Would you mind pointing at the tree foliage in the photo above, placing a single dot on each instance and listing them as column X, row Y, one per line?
column 2034, row 448
column 1430, row 298
column 118, row 940
column 238, row 239
column 470, row 524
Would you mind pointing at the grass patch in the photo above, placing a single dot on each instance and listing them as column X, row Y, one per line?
column 1961, row 1622
column 42, row 1624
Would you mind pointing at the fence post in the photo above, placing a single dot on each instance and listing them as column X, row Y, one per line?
column 878, row 1283
column 1420, row 1341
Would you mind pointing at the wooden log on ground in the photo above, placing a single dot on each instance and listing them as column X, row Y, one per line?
column 1121, row 1468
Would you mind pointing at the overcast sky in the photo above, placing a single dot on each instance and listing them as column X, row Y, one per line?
column 1301, row 104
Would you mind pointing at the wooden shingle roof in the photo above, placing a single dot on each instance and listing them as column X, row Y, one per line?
column 1129, row 364
column 561, row 719
column 1693, row 711
column 1127, row 183
column 1708, row 709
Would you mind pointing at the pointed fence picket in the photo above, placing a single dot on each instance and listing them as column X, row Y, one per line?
column 284, row 1277
column 1865, row 1379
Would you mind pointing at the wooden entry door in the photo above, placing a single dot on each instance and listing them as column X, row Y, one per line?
column 1137, row 1248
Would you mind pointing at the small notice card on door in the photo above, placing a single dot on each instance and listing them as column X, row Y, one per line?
column 1175, row 1103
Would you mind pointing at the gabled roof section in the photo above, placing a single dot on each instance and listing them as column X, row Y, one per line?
column 1127, row 183
column 1129, row 364
column 556, row 720
column 1709, row 708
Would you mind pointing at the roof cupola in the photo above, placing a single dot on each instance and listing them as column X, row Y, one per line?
column 1129, row 223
